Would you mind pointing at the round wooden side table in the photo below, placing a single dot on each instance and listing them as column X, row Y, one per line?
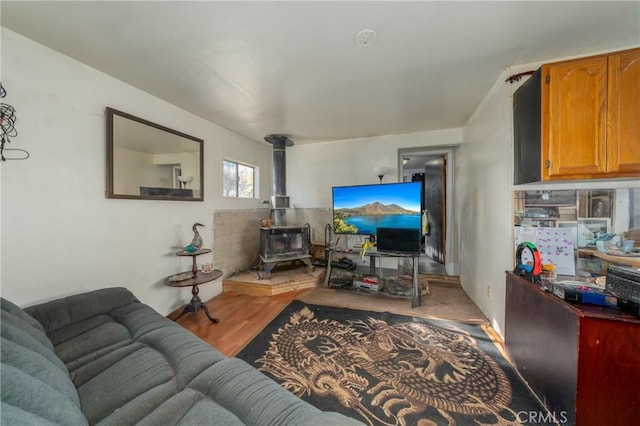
column 193, row 278
column 193, row 255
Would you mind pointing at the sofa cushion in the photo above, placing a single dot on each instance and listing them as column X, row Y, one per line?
column 257, row 400
column 73, row 309
column 20, row 319
column 13, row 309
column 36, row 387
column 190, row 407
column 126, row 361
column 29, row 393
column 251, row 395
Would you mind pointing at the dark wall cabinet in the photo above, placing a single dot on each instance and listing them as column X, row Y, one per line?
column 527, row 139
column 579, row 119
column 580, row 360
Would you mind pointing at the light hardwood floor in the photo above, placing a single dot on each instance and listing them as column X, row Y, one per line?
column 241, row 318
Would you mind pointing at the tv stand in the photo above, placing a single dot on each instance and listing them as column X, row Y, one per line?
column 377, row 271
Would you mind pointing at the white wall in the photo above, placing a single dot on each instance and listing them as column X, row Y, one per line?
column 484, row 175
column 60, row 235
column 313, row 169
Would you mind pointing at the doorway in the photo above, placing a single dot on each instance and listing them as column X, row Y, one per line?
column 433, row 167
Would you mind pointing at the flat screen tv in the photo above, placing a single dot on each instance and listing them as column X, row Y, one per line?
column 362, row 209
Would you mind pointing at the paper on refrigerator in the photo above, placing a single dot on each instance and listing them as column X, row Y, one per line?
column 554, row 244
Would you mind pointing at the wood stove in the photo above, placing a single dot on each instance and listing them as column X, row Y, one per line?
column 282, row 242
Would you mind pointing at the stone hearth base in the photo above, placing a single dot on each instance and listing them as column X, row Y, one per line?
column 279, row 282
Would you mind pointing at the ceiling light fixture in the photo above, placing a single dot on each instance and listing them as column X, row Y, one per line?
column 365, row 38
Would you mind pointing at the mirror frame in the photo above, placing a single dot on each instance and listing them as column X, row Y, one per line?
column 110, row 113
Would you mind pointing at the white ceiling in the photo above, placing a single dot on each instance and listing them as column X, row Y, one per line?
column 293, row 67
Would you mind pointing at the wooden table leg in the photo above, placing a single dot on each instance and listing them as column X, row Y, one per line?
column 196, row 304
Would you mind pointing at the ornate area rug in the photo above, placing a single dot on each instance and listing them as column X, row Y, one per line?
column 386, row 369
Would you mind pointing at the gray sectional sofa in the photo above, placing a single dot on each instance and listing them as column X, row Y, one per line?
column 105, row 358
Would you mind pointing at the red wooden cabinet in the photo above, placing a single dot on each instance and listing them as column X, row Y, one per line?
column 582, row 361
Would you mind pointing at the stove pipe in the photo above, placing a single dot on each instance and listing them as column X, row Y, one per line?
column 279, row 199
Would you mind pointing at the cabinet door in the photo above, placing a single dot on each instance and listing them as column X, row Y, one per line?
column 623, row 113
column 574, row 119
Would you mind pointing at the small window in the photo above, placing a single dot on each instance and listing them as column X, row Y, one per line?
column 239, row 180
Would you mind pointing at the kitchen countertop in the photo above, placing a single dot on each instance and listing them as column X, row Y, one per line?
column 627, row 260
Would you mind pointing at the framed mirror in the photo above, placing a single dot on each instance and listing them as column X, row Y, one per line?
column 149, row 161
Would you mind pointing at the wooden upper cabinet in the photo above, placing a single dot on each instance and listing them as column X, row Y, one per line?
column 623, row 113
column 574, row 99
column 591, row 117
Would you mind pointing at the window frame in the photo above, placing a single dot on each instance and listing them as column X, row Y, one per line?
column 237, row 165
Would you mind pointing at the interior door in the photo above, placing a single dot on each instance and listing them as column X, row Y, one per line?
column 434, row 191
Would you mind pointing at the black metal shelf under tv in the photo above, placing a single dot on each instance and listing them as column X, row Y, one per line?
column 372, row 270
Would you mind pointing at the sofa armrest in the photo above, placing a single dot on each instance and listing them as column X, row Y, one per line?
column 62, row 312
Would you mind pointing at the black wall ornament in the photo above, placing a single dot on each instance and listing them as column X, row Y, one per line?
column 8, row 130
